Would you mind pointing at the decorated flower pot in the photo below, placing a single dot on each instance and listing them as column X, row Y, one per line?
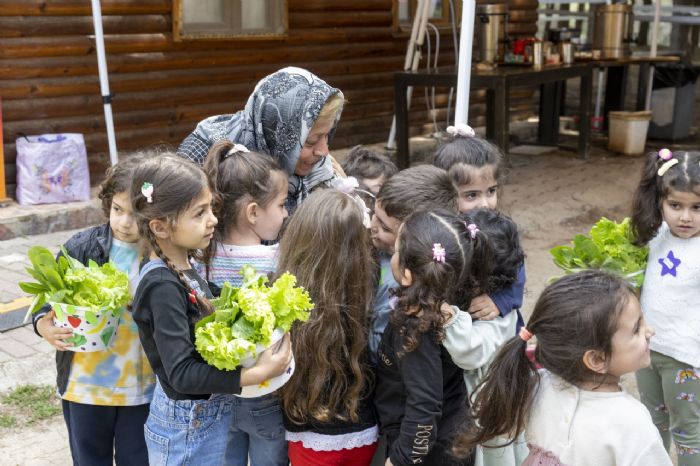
column 93, row 330
column 270, row 385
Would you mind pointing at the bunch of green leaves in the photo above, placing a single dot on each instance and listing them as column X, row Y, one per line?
column 608, row 246
column 67, row 280
column 245, row 318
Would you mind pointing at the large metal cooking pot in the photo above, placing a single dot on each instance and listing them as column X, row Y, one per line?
column 612, row 32
column 491, row 25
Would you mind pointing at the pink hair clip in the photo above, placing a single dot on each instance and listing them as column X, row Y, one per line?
column 438, row 253
column 147, row 191
column 473, row 230
column 667, row 156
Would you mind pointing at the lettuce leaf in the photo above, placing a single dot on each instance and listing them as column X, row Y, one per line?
column 69, row 281
column 608, row 246
column 245, row 318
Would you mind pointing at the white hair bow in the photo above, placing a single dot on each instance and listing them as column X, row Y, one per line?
column 462, row 130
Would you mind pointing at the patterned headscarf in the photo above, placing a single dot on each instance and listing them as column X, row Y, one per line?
column 276, row 120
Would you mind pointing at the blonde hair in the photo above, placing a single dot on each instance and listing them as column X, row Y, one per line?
column 331, row 109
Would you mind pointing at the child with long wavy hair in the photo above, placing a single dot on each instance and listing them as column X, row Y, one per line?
column 666, row 216
column 421, row 397
column 327, row 402
column 590, row 332
column 190, row 413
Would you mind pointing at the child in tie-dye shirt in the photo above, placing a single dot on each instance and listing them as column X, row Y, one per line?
column 106, row 394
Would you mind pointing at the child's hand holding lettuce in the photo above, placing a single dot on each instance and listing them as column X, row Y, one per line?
column 245, row 318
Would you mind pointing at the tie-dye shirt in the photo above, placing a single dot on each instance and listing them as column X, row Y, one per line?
column 120, row 375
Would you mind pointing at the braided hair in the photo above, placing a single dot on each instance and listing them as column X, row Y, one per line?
column 176, row 184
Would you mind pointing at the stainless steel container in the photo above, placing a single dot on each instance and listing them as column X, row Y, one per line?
column 612, row 32
column 491, row 25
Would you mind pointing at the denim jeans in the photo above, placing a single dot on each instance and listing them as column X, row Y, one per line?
column 187, row 432
column 257, row 431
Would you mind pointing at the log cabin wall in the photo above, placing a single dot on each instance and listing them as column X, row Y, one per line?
column 162, row 88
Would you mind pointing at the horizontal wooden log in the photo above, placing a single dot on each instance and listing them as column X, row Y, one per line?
column 78, row 7
column 139, row 62
column 338, row 19
column 41, row 26
column 64, row 46
column 522, row 16
column 339, row 5
column 522, row 29
column 134, row 82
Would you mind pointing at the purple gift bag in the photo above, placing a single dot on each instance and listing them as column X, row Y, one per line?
column 52, row 168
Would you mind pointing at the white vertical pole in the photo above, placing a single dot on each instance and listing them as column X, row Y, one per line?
column 654, row 36
column 104, row 80
column 413, row 56
column 464, row 69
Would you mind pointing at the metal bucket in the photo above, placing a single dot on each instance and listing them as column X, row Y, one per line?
column 491, row 25
column 612, row 33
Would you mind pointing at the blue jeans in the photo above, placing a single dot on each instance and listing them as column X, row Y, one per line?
column 185, row 432
column 257, row 430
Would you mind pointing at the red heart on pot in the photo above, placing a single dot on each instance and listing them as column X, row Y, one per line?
column 74, row 321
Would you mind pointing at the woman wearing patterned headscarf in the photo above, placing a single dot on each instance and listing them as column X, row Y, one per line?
column 291, row 115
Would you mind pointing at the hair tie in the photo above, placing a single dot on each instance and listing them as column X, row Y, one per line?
column 525, row 334
column 236, row 148
column 473, row 230
column 348, row 186
column 667, row 156
column 462, row 130
column 147, row 191
column 438, row 253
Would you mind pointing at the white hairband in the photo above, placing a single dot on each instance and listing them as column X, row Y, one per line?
column 236, row 148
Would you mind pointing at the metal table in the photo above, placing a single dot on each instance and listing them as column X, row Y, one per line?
column 497, row 83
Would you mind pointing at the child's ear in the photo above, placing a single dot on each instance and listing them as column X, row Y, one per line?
column 251, row 212
column 159, row 228
column 595, row 361
column 406, row 278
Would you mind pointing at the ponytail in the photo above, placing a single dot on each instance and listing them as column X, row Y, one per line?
column 646, row 204
column 238, row 176
column 503, row 399
column 574, row 314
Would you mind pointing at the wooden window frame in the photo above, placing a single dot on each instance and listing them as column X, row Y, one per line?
column 403, row 28
column 179, row 36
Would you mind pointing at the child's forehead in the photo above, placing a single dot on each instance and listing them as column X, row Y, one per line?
column 484, row 171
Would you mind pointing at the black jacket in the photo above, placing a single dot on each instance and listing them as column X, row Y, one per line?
column 166, row 318
column 91, row 244
column 421, row 399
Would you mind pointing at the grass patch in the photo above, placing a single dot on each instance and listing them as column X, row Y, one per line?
column 7, row 421
column 28, row 404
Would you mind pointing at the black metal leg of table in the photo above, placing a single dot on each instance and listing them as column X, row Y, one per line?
column 490, row 115
column 548, row 126
column 501, row 117
column 586, row 91
column 402, row 146
column 615, row 86
column 642, row 81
